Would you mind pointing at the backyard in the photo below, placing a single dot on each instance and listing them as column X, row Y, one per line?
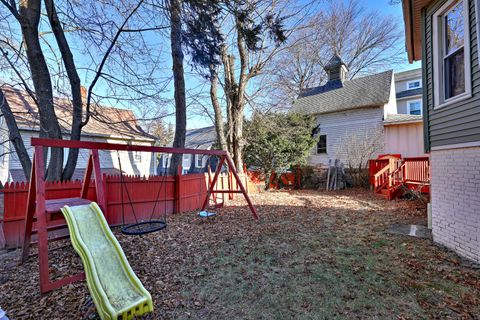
column 312, row 255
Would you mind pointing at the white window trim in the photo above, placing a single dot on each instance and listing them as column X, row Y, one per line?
column 412, row 81
column 198, row 157
column 438, row 83
column 186, row 157
column 412, row 101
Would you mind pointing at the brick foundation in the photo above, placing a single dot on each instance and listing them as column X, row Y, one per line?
column 455, row 178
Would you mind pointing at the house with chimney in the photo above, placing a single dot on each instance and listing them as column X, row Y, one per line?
column 358, row 119
column 106, row 124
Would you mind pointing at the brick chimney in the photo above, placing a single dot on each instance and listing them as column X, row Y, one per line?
column 83, row 91
column 336, row 69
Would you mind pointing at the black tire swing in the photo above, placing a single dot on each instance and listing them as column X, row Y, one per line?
column 150, row 225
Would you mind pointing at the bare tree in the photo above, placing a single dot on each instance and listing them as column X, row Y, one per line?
column 75, row 86
column 355, row 148
column 14, row 135
column 179, row 81
column 255, row 34
column 366, row 41
column 28, row 16
column 102, row 34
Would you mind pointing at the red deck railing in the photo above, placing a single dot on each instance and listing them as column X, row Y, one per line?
column 387, row 175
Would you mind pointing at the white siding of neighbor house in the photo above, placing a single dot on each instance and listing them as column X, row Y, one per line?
column 345, row 129
column 391, row 106
column 187, row 161
column 143, row 164
column 4, row 150
column 402, row 85
column 405, row 139
column 402, row 107
column 402, row 78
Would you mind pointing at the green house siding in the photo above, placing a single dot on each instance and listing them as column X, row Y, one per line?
column 458, row 122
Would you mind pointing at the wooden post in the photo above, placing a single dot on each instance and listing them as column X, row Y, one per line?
column 240, row 184
column 32, row 190
column 101, row 200
column 177, row 206
column 41, row 219
column 214, row 181
column 87, row 177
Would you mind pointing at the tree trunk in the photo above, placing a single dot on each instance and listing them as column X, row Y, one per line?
column 238, row 104
column 219, row 126
column 238, row 139
column 230, row 94
column 14, row 136
column 74, row 79
column 178, row 81
column 49, row 126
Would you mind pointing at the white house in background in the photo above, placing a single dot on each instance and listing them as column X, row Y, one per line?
column 359, row 119
column 106, row 125
column 409, row 90
column 404, row 131
column 201, row 138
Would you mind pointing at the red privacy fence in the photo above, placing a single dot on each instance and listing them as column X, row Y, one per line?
column 144, row 192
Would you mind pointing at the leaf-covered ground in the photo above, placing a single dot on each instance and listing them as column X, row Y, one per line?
column 312, row 255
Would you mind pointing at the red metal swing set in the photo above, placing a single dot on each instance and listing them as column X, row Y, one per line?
column 47, row 215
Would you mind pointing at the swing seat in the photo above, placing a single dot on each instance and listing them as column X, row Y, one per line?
column 206, row 214
column 144, row 227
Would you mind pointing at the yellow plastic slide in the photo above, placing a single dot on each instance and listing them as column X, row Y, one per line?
column 115, row 289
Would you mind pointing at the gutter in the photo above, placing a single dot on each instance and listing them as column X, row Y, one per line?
column 402, row 122
column 98, row 135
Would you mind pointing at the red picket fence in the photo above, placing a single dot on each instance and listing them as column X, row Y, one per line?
column 150, row 196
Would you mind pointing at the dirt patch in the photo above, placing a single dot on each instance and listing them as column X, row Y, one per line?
column 319, row 255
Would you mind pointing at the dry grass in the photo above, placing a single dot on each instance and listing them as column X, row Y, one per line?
column 312, row 255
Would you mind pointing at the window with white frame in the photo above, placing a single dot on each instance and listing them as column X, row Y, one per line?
column 451, row 53
column 199, row 161
column 165, row 160
column 414, row 107
column 138, row 156
column 186, row 161
column 414, row 84
column 66, row 151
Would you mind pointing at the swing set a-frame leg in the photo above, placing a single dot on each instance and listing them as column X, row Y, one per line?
column 211, row 187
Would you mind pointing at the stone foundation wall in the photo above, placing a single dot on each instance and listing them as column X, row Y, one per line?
column 455, row 179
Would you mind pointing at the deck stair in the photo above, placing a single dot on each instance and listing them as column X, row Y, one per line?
column 391, row 175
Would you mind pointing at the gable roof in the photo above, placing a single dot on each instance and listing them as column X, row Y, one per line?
column 369, row 91
column 334, row 62
column 201, row 138
column 392, row 119
column 104, row 121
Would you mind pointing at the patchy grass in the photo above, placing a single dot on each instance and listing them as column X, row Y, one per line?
column 312, row 255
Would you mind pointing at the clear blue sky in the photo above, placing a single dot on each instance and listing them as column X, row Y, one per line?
column 383, row 7
column 195, row 121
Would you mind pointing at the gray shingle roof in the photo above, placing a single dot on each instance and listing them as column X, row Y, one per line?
column 334, row 62
column 409, row 93
column 201, row 138
column 401, row 118
column 373, row 90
